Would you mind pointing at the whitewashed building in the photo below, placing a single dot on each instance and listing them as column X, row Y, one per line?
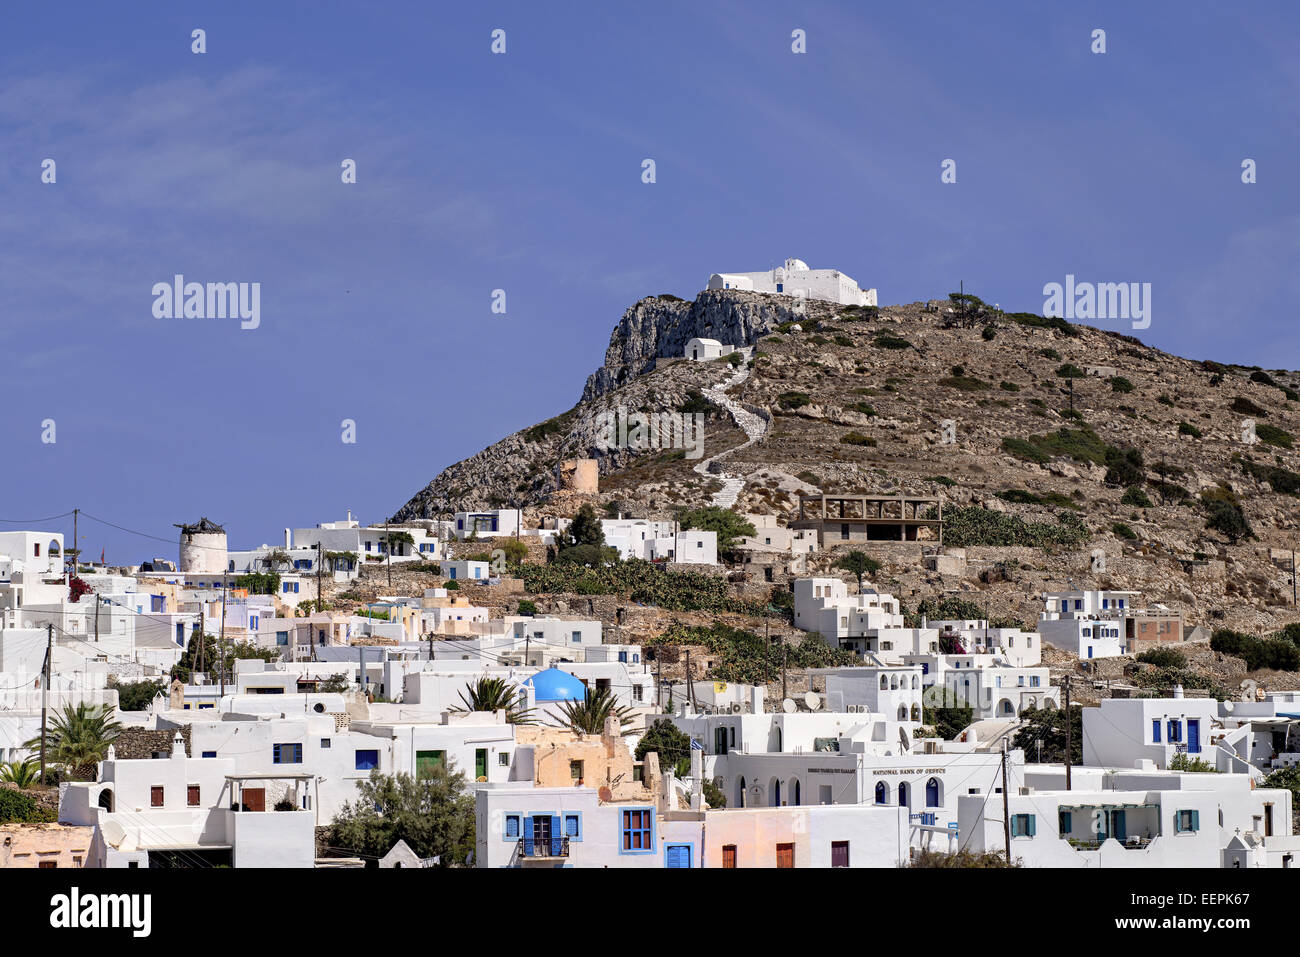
column 794, row 278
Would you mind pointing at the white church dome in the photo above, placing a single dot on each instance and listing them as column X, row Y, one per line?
column 796, row 265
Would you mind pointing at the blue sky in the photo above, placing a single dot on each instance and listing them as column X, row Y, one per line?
column 522, row 172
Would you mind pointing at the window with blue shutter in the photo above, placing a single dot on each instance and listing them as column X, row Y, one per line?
column 1023, row 825
column 557, row 835
column 1187, row 822
column 1064, row 821
column 528, row 837
column 367, row 760
column 677, row 855
column 573, row 827
column 1155, row 730
column 286, row 753
column 512, row 827
column 1175, row 731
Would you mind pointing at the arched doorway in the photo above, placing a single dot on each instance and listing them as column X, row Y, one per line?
column 740, row 792
column 904, row 795
column 882, row 793
column 794, row 792
column 933, row 793
column 106, row 800
column 1005, row 708
column 775, row 791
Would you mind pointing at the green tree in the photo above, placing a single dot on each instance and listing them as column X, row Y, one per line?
column 949, row 722
column 433, row 813
column 588, row 716
column 1048, row 726
column 208, row 657
column 24, row 774
column 138, row 695
column 335, row 684
column 585, row 529
column 1227, row 519
column 493, row 694
column 19, row 808
column 671, row 743
column 860, row 564
column 78, row 738
column 728, row 524
column 527, row 607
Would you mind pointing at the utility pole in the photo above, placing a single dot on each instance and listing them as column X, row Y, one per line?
column 1293, row 601
column 222, row 644
column 1069, row 731
column 659, row 680
column 388, row 553
column 784, row 652
column 690, row 680
column 96, row 617
column 528, row 641
column 1006, row 816
column 320, row 596
column 76, row 550
column 45, row 692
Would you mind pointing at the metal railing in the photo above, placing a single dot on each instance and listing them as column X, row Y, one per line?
column 542, row 849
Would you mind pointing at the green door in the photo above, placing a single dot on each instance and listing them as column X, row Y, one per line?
column 480, row 763
column 426, row 761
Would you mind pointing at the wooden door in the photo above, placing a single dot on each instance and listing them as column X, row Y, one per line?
column 839, row 853
column 254, row 799
column 785, row 855
column 729, row 856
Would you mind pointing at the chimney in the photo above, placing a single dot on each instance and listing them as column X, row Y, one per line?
column 178, row 746
column 697, row 780
column 288, row 539
column 1178, row 691
column 757, row 695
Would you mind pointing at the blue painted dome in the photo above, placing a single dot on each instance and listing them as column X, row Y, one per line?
column 556, row 685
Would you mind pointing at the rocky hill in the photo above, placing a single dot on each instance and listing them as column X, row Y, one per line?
column 1014, row 419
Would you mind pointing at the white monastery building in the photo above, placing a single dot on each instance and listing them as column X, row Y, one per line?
column 794, row 278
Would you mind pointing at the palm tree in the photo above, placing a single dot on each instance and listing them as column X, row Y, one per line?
column 588, row 716
column 79, row 738
column 22, row 773
column 493, row 694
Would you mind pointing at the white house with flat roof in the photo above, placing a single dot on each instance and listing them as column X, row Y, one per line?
column 794, row 278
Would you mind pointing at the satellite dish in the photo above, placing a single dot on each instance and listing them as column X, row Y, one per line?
column 1227, row 706
column 788, row 706
column 812, row 701
column 114, row 833
column 605, row 794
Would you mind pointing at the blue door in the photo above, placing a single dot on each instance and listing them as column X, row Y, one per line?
column 1193, row 735
column 528, row 837
column 678, row 855
column 1118, row 827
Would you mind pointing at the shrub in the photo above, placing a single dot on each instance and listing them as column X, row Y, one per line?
column 19, row 808
column 1050, row 354
column 1123, row 531
column 1276, row 653
column 1008, row 387
column 863, row 408
column 793, row 400
column 1082, row 445
column 527, row 607
column 972, row 525
column 1186, row 428
column 1163, row 657
column 988, row 333
column 1272, row 435
column 1243, row 406
column 1133, row 495
column 941, row 480
column 1279, row 479
column 1069, row 371
column 857, row 438
column 884, row 340
column 1124, row 467
column 1120, row 384
column 1229, row 520
column 696, row 402
column 964, row 382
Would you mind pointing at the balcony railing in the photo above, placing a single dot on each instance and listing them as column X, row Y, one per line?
column 539, row 849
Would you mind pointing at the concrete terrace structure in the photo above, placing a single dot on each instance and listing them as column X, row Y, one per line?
column 794, row 278
column 848, row 519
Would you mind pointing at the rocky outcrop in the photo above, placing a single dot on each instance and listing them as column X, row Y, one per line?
column 659, row 327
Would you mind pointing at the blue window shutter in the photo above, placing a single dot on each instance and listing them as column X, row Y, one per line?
column 1196, row 821
column 1155, row 730
column 557, row 834
column 528, row 837
column 571, row 825
column 1032, row 821
column 512, row 825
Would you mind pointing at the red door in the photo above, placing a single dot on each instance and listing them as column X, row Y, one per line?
column 254, row 799
column 729, row 856
column 785, row 855
column 839, row 853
